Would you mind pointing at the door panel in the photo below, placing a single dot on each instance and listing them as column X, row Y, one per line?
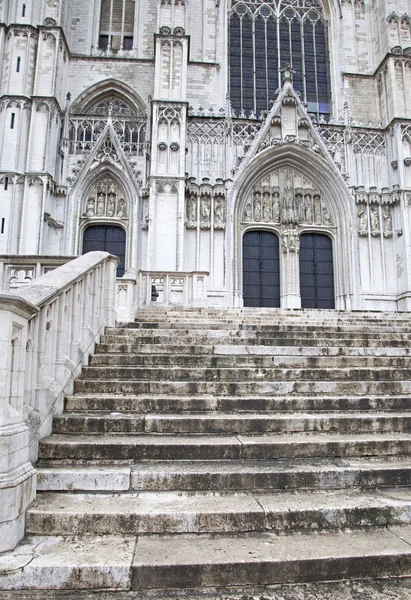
column 108, row 238
column 316, row 271
column 261, row 269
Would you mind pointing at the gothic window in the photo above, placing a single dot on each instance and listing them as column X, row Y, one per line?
column 117, row 25
column 265, row 36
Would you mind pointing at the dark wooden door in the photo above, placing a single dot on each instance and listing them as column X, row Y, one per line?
column 108, row 238
column 261, row 269
column 316, row 271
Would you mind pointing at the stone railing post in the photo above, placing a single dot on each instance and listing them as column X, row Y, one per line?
column 17, row 475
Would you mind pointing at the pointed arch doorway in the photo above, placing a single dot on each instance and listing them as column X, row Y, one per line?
column 316, row 271
column 261, row 269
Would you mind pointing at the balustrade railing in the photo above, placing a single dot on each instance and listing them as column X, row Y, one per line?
column 48, row 329
column 182, row 288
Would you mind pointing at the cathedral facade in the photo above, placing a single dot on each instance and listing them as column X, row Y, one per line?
column 229, row 152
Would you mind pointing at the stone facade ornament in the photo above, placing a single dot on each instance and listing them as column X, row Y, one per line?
column 275, row 199
column 211, row 200
column 375, row 221
column 386, row 215
column 106, row 199
column 362, row 221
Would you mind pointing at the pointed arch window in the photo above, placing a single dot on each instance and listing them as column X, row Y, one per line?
column 117, row 25
column 266, row 35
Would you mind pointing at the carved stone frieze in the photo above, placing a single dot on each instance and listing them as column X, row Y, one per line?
column 374, row 220
column 206, row 205
column 106, row 199
column 277, row 199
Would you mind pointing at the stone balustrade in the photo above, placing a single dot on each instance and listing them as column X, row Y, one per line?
column 169, row 287
column 47, row 331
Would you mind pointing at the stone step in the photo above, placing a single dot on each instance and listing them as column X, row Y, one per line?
column 239, row 350
column 247, row 360
column 124, row 423
column 243, row 388
column 123, row 335
column 127, row 563
column 207, row 345
column 272, row 373
column 228, row 324
column 202, row 447
column 296, row 474
column 166, row 403
column 236, row 512
column 186, row 561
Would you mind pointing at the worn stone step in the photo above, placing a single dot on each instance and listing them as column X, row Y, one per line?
column 193, row 560
column 202, row 447
column 69, row 563
column 283, row 474
column 272, row 373
column 243, row 388
column 262, row 558
column 248, row 325
column 225, row 475
column 239, row 350
column 232, row 423
column 166, row 403
column 235, row 512
column 246, row 360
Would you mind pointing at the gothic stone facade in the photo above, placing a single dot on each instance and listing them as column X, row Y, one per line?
column 215, row 146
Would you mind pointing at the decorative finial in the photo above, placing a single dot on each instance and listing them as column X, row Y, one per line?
column 287, row 74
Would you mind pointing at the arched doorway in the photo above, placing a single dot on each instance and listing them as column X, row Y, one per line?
column 261, row 269
column 316, row 271
column 108, row 238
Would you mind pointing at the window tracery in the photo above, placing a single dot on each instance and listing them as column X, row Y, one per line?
column 266, row 35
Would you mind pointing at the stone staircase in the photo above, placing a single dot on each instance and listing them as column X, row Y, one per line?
column 241, row 447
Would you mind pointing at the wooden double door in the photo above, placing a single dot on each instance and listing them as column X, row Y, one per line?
column 261, row 270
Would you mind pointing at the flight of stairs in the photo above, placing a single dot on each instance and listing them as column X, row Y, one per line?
column 240, row 447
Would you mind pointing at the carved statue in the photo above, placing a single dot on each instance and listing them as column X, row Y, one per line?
column 387, row 221
column 100, row 204
column 375, row 221
column 257, row 207
column 218, row 214
column 326, row 217
column 121, row 209
column 362, row 225
column 248, row 211
column 276, row 207
column 205, row 212
column 288, row 206
column 266, row 206
column 317, row 210
column 192, row 210
column 308, row 209
column 111, row 204
column 90, row 207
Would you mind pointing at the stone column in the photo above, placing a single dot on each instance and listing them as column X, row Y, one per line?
column 290, row 268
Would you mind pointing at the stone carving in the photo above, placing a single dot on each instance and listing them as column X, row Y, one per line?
column 290, row 240
column 106, row 199
column 21, row 277
column 145, row 214
column 386, row 215
column 363, row 221
column 375, row 221
column 218, row 214
column 53, row 222
column 285, row 203
column 212, row 200
column 90, row 207
column 205, row 212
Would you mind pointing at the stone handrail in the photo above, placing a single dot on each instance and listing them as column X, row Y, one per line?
column 188, row 288
column 48, row 329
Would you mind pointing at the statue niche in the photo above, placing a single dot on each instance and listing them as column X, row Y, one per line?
column 286, row 197
column 106, row 199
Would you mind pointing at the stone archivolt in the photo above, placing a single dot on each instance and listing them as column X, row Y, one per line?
column 286, row 197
